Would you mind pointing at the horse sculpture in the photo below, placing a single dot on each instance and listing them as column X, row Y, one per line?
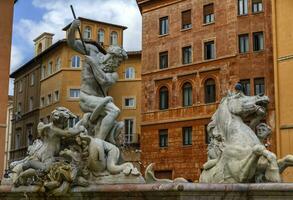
column 235, row 150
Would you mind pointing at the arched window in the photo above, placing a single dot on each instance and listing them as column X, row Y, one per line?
column 101, row 36
column 58, row 63
column 75, row 61
column 40, row 48
column 114, row 38
column 210, row 91
column 129, row 73
column 164, row 98
column 187, row 94
column 87, row 32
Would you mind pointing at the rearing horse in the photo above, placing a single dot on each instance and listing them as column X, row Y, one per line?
column 235, row 149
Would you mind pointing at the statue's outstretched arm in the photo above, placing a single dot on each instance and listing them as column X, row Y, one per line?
column 71, row 132
column 73, row 42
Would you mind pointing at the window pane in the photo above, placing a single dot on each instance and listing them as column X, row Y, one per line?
column 186, row 19
column 129, row 73
column 101, row 36
column 187, row 94
column 210, row 91
column 164, row 26
column 246, row 87
column 74, row 93
column 187, row 135
column 164, row 98
column 163, row 138
column 114, row 38
column 259, row 86
column 163, row 60
column 187, row 55
column 243, row 43
column 208, row 13
column 128, row 136
column 258, row 41
column 209, row 50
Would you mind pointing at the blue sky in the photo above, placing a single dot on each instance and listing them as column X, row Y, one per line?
column 33, row 17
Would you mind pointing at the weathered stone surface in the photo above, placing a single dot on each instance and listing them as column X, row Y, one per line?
column 183, row 191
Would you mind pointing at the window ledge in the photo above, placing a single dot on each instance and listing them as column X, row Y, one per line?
column 164, row 35
column 207, row 24
column 244, row 15
column 185, row 29
column 186, row 145
column 257, row 13
column 259, row 52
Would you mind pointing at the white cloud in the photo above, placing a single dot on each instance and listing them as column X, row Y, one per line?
column 58, row 14
column 17, row 57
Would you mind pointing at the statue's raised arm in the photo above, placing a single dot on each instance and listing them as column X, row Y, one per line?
column 73, row 42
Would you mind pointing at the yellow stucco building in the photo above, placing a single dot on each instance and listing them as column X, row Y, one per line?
column 56, row 70
column 283, row 67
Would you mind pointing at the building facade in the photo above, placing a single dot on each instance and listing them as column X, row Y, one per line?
column 6, row 20
column 283, row 62
column 193, row 52
column 53, row 78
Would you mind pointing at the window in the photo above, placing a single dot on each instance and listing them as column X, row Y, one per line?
column 257, row 6
column 187, row 94
column 58, row 63
column 32, row 79
column 129, row 73
column 187, row 135
column 101, row 36
column 207, row 137
column 245, row 87
column 73, row 122
column 186, row 55
column 31, row 104
column 56, row 95
column 42, row 101
column 29, row 134
column 74, row 93
column 87, row 32
column 163, row 138
column 129, row 102
column 128, row 135
column 210, row 91
column 259, row 86
column 208, row 13
column 164, row 98
column 75, row 61
column 17, row 139
column 186, row 19
column 163, row 60
column 164, row 25
column 50, row 68
column 49, row 100
column 242, row 7
column 20, row 86
column 40, row 48
column 43, row 71
column 243, row 43
column 258, row 41
column 209, row 50
column 114, row 38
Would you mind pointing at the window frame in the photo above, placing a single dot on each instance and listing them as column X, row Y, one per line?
column 129, row 73
column 187, row 25
column 75, row 62
column 129, row 136
column 99, row 36
column 188, row 131
column 87, row 33
column 164, row 25
column 163, row 134
column 189, row 94
column 245, row 7
column 114, row 40
column 258, row 6
column 246, row 86
column 190, row 54
column 208, row 18
column 246, row 48
column 255, row 85
column 213, row 53
column 260, row 46
column 163, row 55
column 74, row 90
column 207, row 99
column 164, row 95
column 129, row 98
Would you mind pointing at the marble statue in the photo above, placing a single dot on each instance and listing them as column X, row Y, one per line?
column 237, row 151
column 98, row 75
column 87, row 154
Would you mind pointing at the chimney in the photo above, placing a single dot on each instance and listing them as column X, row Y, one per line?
column 43, row 42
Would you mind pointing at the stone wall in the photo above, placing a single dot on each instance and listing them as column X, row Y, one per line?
column 160, row 192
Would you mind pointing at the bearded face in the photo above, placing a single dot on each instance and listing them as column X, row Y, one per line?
column 112, row 63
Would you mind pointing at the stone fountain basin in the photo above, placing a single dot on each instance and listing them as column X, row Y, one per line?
column 172, row 191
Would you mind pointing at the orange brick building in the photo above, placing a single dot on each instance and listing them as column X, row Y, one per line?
column 193, row 52
column 6, row 20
